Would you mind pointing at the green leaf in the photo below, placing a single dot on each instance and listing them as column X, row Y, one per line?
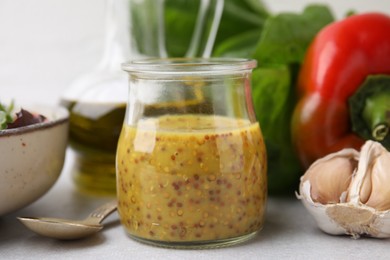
column 240, row 16
column 286, row 36
column 171, row 27
column 280, row 51
column 274, row 100
column 270, row 89
column 5, row 115
column 3, row 120
column 239, row 46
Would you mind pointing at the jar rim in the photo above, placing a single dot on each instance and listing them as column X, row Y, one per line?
column 189, row 65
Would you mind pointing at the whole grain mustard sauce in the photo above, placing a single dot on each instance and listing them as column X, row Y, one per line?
column 191, row 178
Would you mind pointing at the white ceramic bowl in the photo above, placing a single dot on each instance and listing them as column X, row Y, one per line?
column 31, row 158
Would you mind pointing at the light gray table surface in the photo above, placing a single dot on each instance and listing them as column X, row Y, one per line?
column 289, row 233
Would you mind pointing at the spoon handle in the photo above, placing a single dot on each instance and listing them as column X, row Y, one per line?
column 99, row 214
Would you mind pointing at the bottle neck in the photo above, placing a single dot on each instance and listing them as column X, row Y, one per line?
column 117, row 42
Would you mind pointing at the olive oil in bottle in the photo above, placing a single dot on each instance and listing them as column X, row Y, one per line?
column 93, row 132
column 97, row 102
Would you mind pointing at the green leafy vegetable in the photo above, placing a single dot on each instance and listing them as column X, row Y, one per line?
column 273, row 88
column 5, row 115
column 240, row 16
column 280, row 51
column 240, row 45
column 286, row 36
column 171, row 29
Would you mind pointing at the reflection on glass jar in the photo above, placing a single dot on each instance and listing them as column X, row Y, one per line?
column 191, row 160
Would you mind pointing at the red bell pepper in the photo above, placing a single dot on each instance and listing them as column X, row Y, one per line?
column 341, row 58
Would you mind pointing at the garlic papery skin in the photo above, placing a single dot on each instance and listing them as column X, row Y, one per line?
column 363, row 208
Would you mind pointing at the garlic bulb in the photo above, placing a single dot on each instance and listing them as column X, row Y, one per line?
column 349, row 192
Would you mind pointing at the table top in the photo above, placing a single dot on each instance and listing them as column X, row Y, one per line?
column 289, row 233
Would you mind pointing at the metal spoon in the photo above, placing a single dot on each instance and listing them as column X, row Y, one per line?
column 66, row 229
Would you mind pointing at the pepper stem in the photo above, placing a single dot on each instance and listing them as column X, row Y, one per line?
column 376, row 113
column 370, row 109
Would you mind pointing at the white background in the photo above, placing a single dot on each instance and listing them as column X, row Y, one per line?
column 45, row 44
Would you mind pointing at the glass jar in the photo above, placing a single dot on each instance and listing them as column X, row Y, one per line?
column 139, row 28
column 191, row 160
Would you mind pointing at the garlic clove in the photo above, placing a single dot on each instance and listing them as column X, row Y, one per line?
column 361, row 185
column 330, row 176
column 379, row 177
column 325, row 183
column 370, row 184
column 364, row 205
column 365, row 189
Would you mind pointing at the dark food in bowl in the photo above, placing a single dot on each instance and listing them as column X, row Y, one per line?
column 21, row 118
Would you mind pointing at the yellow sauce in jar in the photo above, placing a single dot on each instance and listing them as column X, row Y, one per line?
column 191, row 178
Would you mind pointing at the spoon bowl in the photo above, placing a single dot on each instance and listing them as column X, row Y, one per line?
column 59, row 228
column 66, row 229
